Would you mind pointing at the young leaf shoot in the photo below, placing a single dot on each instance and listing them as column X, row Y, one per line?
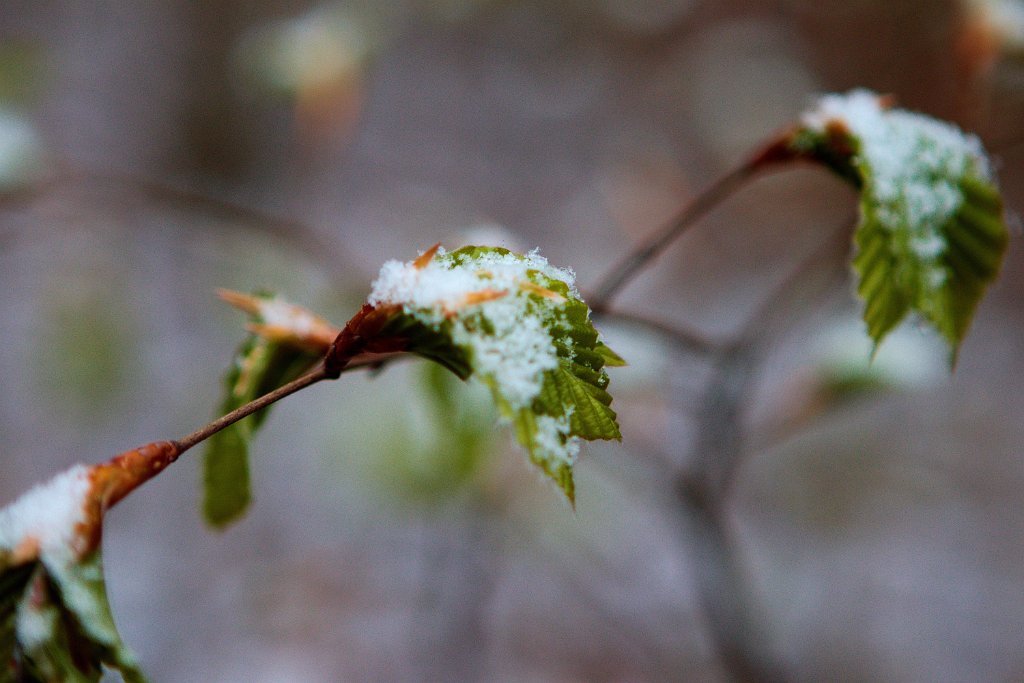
column 516, row 324
column 932, row 234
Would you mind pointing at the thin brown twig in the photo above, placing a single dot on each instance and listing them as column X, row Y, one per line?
column 620, row 275
column 312, row 377
column 126, row 472
column 735, row 366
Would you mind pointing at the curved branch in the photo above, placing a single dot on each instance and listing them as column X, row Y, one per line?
column 775, row 151
column 295, row 232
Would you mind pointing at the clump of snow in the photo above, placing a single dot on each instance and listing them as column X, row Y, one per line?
column 442, row 282
column 553, row 440
column 912, row 165
column 46, row 520
column 36, row 625
column 49, row 516
column 49, row 523
column 277, row 312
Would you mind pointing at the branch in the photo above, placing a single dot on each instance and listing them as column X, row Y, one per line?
column 736, row 625
column 323, row 252
column 610, row 285
column 312, row 377
column 125, row 472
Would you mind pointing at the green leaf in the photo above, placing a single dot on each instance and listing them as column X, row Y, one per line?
column 932, row 234
column 62, row 628
column 611, row 359
column 13, row 580
column 55, row 619
column 260, row 366
column 431, row 342
column 517, row 325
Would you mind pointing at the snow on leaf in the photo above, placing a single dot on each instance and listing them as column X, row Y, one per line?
column 516, row 324
column 55, row 620
column 931, row 234
column 286, row 341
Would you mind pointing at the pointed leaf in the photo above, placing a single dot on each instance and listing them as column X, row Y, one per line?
column 261, row 365
column 516, row 324
column 611, row 359
column 932, row 234
column 55, row 620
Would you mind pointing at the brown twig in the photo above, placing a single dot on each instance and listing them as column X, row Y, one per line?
column 357, row 345
column 312, row 377
column 295, row 232
column 607, row 287
column 113, row 480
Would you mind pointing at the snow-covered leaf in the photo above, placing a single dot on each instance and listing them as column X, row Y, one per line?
column 55, row 620
column 514, row 323
column 285, row 342
column 932, row 234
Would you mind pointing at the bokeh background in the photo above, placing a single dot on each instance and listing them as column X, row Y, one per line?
column 152, row 151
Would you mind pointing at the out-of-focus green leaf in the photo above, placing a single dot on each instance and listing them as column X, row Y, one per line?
column 439, row 459
column 260, row 366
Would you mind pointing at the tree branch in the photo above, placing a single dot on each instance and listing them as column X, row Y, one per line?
column 737, row 627
column 312, row 377
column 620, row 275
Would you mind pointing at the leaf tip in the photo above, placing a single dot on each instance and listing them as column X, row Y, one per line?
column 426, row 257
column 241, row 301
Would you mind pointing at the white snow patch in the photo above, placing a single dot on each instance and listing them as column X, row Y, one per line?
column 50, row 514
column 1004, row 18
column 441, row 282
column 516, row 355
column 551, row 431
column 279, row 313
column 36, row 625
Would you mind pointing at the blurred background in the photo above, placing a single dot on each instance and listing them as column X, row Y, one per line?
column 152, row 151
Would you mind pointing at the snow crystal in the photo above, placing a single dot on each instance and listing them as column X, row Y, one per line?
column 440, row 282
column 912, row 165
column 516, row 355
column 49, row 515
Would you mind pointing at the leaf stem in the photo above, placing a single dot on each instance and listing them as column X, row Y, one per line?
column 312, row 377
